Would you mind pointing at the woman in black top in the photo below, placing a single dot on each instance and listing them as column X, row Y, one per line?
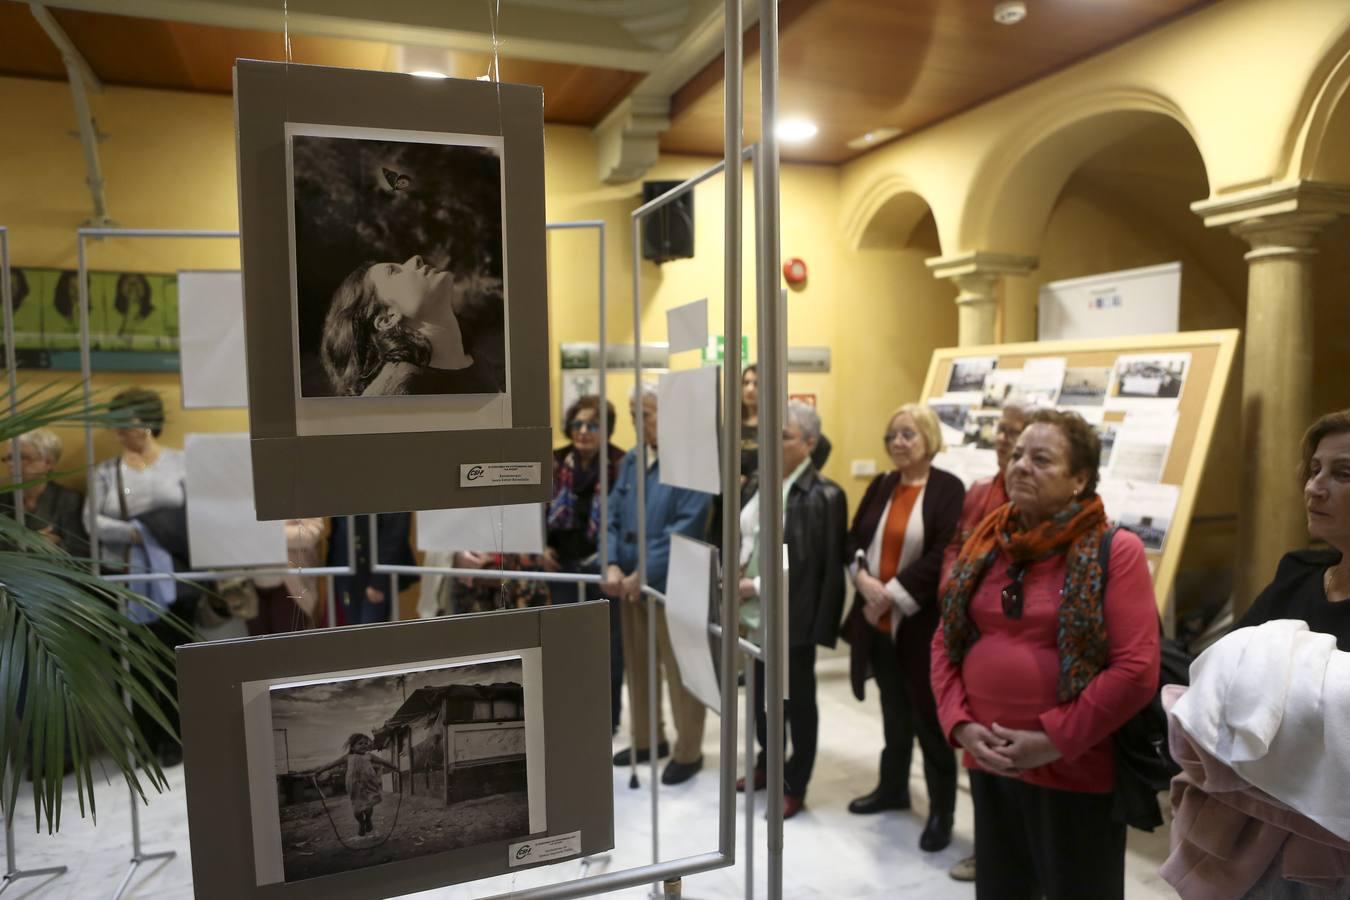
column 50, row 509
column 1314, row 585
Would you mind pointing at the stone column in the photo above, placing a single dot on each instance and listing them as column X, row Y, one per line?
column 977, row 276
column 1281, row 224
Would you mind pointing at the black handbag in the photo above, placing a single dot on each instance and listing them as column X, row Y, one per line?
column 1144, row 764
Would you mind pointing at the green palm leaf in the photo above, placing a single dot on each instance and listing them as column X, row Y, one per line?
column 72, row 665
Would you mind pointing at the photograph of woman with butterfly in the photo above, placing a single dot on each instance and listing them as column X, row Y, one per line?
column 397, row 239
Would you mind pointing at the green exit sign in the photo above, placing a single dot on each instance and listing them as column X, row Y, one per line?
column 716, row 351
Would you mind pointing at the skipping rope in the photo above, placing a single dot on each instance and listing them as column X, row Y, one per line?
column 337, row 834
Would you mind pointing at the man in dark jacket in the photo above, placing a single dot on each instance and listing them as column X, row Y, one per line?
column 365, row 597
column 815, row 524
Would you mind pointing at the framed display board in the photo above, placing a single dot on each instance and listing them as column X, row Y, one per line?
column 368, row 762
column 1153, row 400
column 395, row 300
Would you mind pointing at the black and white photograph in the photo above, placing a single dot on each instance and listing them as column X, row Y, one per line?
column 1158, row 376
column 999, row 385
column 1151, row 529
column 1085, row 386
column 952, row 421
column 372, row 770
column 1107, row 432
column 981, row 429
column 967, row 376
column 398, row 253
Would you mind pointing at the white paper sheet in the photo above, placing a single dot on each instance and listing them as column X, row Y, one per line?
column 967, row 463
column 686, row 430
column 689, row 589
column 211, row 339
column 1040, row 382
column 1145, row 509
column 518, row 528
column 687, row 326
column 1141, row 447
column 223, row 527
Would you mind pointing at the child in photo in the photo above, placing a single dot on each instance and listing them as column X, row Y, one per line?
column 363, row 780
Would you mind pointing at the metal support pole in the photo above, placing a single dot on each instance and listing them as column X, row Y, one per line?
column 12, row 368
column 750, row 713
column 772, row 353
column 12, row 872
column 733, row 48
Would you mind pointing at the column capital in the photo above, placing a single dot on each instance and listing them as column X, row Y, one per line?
column 980, row 262
column 1271, row 201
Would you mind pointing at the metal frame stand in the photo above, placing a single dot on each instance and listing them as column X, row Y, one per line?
column 138, row 855
column 12, row 872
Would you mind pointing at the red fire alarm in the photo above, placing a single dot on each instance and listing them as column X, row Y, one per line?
column 794, row 270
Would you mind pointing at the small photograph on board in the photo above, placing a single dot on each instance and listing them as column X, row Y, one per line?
column 1151, row 529
column 377, row 769
column 397, row 239
column 1040, row 382
column 1147, row 378
column 1107, row 432
column 952, row 420
column 981, row 430
column 968, row 375
column 999, row 386
column 1085, row 386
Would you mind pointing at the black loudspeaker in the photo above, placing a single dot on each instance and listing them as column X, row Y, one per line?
column 668, row 232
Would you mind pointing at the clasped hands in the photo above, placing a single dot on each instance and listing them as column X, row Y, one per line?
column 621, row 586
column 1006, row 751
column 876, row 602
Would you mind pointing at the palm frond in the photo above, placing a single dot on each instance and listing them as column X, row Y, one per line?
column 73, row 668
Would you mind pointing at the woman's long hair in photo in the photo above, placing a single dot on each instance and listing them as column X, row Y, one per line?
column 353, row 349
column 123, row 300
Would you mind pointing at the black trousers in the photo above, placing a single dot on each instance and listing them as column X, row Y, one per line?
column 801, row 716
column 1032, row 841
column 908, row 710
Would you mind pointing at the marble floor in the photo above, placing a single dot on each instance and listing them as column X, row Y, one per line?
column 827, row 851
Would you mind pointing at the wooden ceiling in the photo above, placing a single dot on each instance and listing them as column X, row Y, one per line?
column 854, row 66
column 851, row 66
column 150, row 53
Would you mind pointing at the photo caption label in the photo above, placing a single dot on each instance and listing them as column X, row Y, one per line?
column 546, row 849
column 488, row 474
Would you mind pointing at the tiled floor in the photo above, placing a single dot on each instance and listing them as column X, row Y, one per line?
column 827, row 852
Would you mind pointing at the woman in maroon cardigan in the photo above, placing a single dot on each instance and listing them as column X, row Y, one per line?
column 1036, row 666
column 905, row 521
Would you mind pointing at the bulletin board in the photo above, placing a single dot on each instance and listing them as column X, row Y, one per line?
column 1163, row 389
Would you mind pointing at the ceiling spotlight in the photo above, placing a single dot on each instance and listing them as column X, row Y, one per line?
column 872, row 138
column 429, row 73
column 795, row 131
column 1010, row 12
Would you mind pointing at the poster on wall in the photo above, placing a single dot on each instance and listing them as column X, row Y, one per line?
column 1112, row 304
column 133, row 320
column 406, row 227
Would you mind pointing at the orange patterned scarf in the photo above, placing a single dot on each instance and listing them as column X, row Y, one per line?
column 1077, row 532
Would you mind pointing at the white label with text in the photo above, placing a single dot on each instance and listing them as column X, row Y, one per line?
column 488, row 474
column 547, row 849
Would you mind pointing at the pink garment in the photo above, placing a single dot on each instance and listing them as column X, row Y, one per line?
column 1226, row 834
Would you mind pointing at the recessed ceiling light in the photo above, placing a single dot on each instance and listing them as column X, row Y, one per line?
column 1010, row 12
column 872, row 138
column 429, row 73
column 795, row 131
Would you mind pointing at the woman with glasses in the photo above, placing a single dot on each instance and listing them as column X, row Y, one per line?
column 1041, row 657
column 573, row 515
column 905, row 521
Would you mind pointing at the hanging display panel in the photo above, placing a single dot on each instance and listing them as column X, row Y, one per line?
column 395, row 301
column 389, row 759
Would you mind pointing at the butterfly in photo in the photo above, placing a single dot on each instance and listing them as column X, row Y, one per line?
column 397, row 180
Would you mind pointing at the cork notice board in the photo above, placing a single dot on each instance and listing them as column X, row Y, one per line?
column 1154, row 399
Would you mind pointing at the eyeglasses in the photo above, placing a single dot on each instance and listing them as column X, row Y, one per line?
column 1012, row 593
column 578, row 425
column 906, row 433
